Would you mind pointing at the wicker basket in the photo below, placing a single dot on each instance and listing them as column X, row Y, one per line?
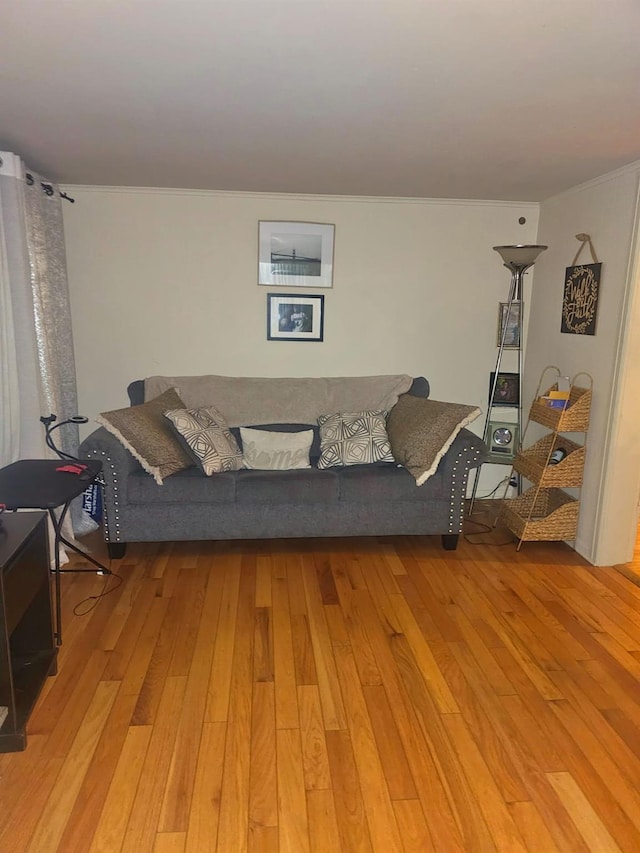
column 573, row 418
column 552, row 515
column 532, row 463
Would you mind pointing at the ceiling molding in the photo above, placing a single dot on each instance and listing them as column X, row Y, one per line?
column 332, row 199
column 594, row 182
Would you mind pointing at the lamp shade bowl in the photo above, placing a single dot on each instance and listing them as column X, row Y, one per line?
column 520, row 257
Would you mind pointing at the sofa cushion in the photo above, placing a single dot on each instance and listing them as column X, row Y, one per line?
column 186, row 487
column 270, row 450
column 207, row 438
column 421, row 431
column 386, row 482
column 353, row 438
column 286, row 487
column 148, row 435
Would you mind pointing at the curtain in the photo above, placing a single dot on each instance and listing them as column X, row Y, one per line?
column 20, row 430
column 37, row 373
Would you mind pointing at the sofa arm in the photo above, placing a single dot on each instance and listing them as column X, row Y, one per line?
column 117, row 464
column 466, row 452
column 106, row 448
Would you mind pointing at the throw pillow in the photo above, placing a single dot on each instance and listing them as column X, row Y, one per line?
column 266, row 450
column 421, row 431
column 146, row 434
column 206, row 434
column 353, row 438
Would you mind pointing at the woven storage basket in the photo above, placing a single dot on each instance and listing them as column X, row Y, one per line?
column 553, row 515
column 532, row 462
column 574, row 418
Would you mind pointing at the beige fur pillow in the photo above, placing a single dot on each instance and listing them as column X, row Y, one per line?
column 148, row 436
column 421, row 431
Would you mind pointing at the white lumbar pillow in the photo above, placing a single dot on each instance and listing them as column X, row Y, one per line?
column 265, row 450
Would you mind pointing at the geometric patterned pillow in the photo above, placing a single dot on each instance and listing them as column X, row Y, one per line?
column 207, row 436
column 353, row 438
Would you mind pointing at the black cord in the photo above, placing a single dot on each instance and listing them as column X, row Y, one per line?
column 485, row 528
column 494, row 490
column 95, row 598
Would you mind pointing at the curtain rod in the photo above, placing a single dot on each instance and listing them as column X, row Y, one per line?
column 48, row 188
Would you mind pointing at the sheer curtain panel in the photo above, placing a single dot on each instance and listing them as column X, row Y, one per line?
column 37, row 371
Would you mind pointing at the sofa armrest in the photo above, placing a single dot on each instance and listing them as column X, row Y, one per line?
column 117, row 464
column 106, row 448
column 466, row 451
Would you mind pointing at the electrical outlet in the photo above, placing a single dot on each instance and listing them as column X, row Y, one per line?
column 513, row 482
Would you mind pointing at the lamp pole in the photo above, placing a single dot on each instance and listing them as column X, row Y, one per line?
column 517, row 259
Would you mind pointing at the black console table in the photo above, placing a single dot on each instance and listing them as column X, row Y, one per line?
column 27, row 648
column 39, row 484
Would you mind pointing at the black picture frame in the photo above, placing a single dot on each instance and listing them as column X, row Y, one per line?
column 507, row 389
column 295, row 317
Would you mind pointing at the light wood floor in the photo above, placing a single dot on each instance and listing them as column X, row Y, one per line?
column 338, row 695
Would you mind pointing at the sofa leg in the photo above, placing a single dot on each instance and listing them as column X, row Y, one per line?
column 450, row 541
column 116, row 550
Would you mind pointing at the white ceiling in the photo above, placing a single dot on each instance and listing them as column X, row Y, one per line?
column 494, row 99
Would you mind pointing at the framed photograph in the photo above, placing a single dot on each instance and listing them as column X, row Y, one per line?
column 295, row 318
column 295, row 254
column 507, row 391
column 509, row 317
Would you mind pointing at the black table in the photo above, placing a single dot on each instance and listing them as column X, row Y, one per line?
column 36, row 484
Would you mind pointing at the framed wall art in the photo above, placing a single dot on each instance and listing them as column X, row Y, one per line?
column 511, row 318
column 507, row 389
column 295, row 254
column 295, row 318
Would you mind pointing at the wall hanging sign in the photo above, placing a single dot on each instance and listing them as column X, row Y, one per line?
column 295, row 254
column 581, row 293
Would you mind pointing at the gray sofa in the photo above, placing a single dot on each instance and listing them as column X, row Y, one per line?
column 378, row 499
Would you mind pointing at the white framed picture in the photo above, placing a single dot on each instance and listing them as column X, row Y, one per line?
column 295, row 254
column 295, row 318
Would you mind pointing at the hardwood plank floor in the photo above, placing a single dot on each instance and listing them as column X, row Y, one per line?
column 338, row 696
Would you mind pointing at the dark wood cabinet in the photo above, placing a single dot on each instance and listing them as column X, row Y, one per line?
column 27, row 648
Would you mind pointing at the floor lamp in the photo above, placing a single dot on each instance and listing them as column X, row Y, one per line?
column 517, row 259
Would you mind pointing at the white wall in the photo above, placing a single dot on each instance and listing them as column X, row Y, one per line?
column 605, row 209
column 165, row 282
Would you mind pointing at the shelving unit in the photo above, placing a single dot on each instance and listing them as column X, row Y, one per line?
column 27, row 649
column 544, row 512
